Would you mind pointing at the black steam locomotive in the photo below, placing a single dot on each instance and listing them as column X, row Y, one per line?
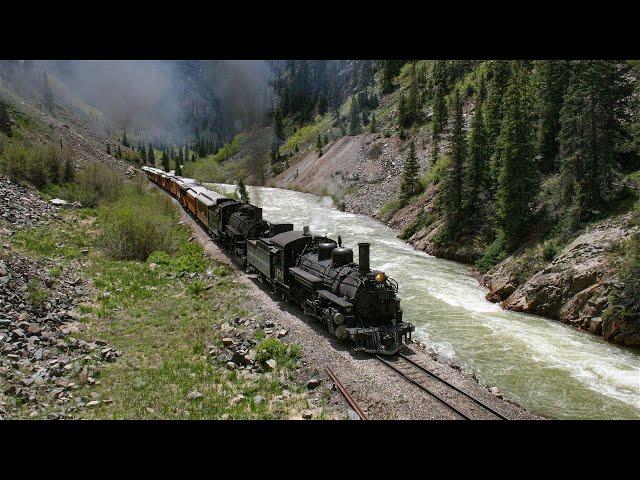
column 315, row 272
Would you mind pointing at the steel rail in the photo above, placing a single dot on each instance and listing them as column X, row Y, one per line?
column 420, row 386
column 434, row 375
column 347, row 396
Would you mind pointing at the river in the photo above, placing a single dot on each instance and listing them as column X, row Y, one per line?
column 541, row 364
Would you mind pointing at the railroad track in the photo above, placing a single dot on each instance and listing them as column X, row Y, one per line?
column 345, row 393
column 467, row 407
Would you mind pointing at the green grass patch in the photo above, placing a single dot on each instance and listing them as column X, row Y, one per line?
column 307, row 134
column 417, row 225
column 390, row 207
column 162, row 322
column 229, row 149
column 54, row 241
column 36, row 291
column 437, row 171
column 284, row 354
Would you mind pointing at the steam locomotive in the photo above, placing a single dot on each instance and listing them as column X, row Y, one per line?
column 316, row 273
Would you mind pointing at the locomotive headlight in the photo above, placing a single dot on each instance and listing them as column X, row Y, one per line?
column 379, row 277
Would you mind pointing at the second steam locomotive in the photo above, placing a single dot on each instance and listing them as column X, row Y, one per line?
column 317, row 273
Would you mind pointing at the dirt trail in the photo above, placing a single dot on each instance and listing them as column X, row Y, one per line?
column 379, row 392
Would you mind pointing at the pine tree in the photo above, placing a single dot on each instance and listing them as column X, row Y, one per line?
column 354, row 118
column 119, row 153
column 518, row 178
column 274, row 153
column 319, row 146
column 277, row 124
column 108, row 149
column 125, row 140
column 591, row 126
column 193, row 157
column 340, row 123
column 365, row 117
column 410, row 183
column 477, row 175
column 151, row 157
column 165, row 161
column 402, row 112
column 453, row 182
column 323, row 103
column 388, row 74
column 499, row 78
column 553, row 79
column 178, row 167
column 47, row 93
column 143, row 153
column 5, row 119
column 242, row 191
column 439, row 118
column 372, row 124
column 413, row 103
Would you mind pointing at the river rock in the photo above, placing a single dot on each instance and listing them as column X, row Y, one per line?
column 195, row 395
column 574, row 287
column 313, row 383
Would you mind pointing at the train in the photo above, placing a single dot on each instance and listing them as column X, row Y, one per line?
column 318, row 274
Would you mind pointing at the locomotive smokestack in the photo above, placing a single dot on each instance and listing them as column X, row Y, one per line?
column 363, row 258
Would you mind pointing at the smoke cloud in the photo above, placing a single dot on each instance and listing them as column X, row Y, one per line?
column 171, row 98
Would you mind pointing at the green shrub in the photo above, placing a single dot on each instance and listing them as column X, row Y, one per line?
column 204, row 170
column 417, row 225
column 93, row 184
column 137, row 224
column 436, row 172
column 228, row 149
column 284, row 355
column 37, row 292
column 187, row 258
column 97, row 183
column 196, row 287
column 390, row 207
column 39, row 165
column 624, row 304
column 131, row 156
column 549, row 250
column 494, row 254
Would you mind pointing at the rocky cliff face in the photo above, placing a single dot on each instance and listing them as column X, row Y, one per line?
column 574, row 287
